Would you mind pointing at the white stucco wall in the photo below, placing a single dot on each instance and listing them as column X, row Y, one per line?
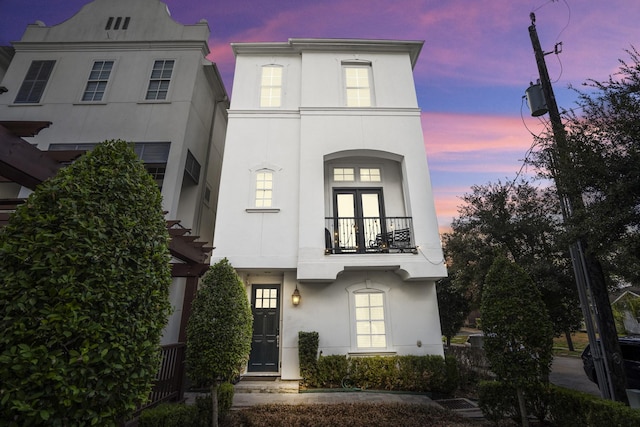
column 411, row 307
column 300, row 141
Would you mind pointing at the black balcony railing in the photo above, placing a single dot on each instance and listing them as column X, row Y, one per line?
column 368, row 235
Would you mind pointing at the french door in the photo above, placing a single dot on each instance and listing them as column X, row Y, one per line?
column 359, row 219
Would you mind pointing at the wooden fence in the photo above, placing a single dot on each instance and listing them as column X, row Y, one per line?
column 167, row 386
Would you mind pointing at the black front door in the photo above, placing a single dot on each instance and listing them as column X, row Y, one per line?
column 265, row 303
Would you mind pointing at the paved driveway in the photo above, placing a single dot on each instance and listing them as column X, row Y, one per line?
column 567, row 372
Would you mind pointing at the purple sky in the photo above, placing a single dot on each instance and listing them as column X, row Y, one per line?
column 476, row 63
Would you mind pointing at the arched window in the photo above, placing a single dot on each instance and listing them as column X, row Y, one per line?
column 369, row 317
column 264, row 188
column 264, row 181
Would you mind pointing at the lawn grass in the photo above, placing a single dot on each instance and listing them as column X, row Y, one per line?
column 560, row 347
column 458, row 339
column 348, row 414
column 580, row 341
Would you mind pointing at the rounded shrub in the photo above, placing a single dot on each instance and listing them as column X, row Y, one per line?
column 84, row 276
column 219, row 332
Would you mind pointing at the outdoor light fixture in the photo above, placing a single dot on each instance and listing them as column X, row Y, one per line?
column 295, row 297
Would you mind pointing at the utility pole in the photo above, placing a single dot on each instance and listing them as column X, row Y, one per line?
column 590, row 281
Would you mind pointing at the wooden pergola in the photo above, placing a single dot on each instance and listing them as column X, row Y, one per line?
column 26, row 165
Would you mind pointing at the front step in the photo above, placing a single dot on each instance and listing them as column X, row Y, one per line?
column 265, row 385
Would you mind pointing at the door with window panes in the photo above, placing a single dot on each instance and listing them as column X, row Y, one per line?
column 359, row 214
column 265, row 303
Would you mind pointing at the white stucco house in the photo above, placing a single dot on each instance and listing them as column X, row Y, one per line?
column 326, row 194
column 121, row 69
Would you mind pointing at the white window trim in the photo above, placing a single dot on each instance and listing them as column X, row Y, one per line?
column 356, row 173
column 83, row 89
column 368, row 65
column 252, row 208
column 46, row 86
column 372, row 287
column 359, row 174
column 282, row 94
column 148, row 79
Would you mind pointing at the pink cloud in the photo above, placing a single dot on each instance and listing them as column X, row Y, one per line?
column 468, row 142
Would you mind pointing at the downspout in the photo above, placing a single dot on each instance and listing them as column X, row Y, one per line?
column 206, row 164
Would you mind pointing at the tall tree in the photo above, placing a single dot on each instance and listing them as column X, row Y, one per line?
column 524, row 222
column 84, row 277
column 597, row 167
column 517, row 330
column 453, row 307
column 603, row 139
column 219, row 331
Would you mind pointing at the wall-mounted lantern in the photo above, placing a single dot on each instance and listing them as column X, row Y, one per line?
column 295, row 297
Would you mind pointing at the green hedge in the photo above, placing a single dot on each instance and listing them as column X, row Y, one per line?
column 332, row 370
column 557, row 405
column 181, row 415
column 169, row 415
column 308, row 355
column 570, row 407
column 398, row 373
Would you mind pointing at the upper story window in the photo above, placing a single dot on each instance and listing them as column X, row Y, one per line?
column 271, row 86
column 357, row 81
column 98, row 79
column 370, row 175
column 192, row 168
column 160, row 79
column 34, row 82
column 348, row 174
column 343, row 174
column 154, row 155
column 264, row 189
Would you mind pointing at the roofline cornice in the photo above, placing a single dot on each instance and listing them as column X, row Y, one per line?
column 299, row 45
column 112, row 45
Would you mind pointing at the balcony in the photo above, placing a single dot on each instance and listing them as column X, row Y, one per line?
column 365, row 235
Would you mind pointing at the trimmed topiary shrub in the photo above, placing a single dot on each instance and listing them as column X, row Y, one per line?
column 219, row 331
column 84, row 277
column 518, row 334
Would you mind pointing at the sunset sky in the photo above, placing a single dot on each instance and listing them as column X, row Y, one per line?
column 476, row 63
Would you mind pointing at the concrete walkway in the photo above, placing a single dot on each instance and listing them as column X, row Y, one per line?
column 566, row 372
column 250, row 393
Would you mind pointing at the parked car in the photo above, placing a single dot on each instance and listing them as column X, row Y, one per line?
column 630, row 347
